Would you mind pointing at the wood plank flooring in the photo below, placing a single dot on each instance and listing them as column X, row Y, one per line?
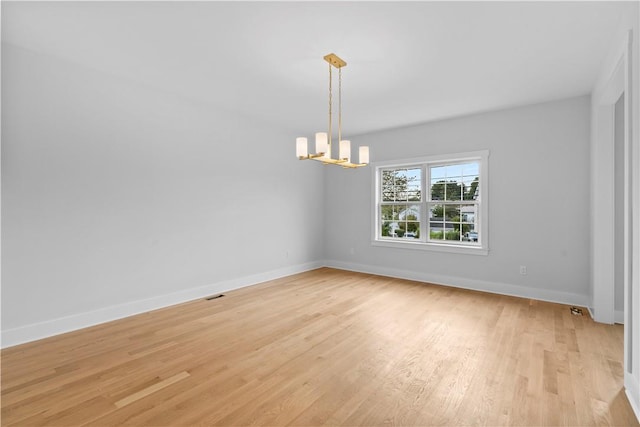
column 327, row 347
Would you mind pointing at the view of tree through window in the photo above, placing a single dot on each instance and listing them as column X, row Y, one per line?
column 452, row 202
column 399, row 214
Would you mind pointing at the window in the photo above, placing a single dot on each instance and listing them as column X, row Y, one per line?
column 436, row 203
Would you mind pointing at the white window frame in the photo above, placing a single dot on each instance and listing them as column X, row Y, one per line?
column 424, row 243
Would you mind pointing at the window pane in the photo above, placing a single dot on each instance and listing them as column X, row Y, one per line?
column 413, row 176
column 387, row 193
column 399, row 211
column 399, row 185
column 386, row 230
column 453, row 190
column 452, row 213
column 446, row 190
column 386, row 212
column 455, row 182
column 438, row 172
column 407, row 229
column 388, row 187
column 414, row 193
column 436, row 230
column 471, row 188
column 402, row 177
column 468, row 213
column 452, row 233
column 400, row 229
column 471, row 169
column 410, row 213
column 437, row 189
column 436, row 212
column 470, row 235
column 453, row 222
column 412, row 230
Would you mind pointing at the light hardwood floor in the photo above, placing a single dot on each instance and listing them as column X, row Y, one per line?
column 327, row 347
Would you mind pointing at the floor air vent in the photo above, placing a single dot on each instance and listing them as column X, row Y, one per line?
column 214, row 297
column 577, row 311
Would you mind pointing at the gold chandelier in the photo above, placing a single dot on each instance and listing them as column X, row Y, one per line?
column 323, row 140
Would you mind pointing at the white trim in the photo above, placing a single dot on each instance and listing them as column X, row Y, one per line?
column 606, row 93
column 464, row 283
column 416, row 161
column 35, row 331
column 427, row 246
column 617, row 77
column 632, row 390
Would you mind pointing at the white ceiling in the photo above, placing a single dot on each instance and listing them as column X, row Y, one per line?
column 408, row 62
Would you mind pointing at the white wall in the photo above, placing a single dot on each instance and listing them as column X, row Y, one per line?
column 119, row 198
column 538, row 203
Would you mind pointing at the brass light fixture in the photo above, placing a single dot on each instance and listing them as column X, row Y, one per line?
column 323, row 140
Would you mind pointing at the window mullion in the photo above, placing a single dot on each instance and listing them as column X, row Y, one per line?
column 426, row 195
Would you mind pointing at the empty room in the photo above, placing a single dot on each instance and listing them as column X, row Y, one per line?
column 320, row 213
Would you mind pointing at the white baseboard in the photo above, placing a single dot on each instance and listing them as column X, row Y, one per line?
column 32, row 332
column 632, row 390
column 618, row 317
column 460, row 282
column 35, row 331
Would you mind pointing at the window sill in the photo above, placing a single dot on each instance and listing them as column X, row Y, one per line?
column 435, row 247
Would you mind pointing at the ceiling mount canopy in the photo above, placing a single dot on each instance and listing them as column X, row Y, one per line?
column 324, row 139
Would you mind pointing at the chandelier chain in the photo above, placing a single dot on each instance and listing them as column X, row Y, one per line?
column 339, row 105
column 330, row 104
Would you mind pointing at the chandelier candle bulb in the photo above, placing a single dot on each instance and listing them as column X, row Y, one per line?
column 345, row 150
column 322, row 144
column 302, row 149
column 364, row 155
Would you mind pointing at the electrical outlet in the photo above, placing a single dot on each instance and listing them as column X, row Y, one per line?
column 523, row 270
